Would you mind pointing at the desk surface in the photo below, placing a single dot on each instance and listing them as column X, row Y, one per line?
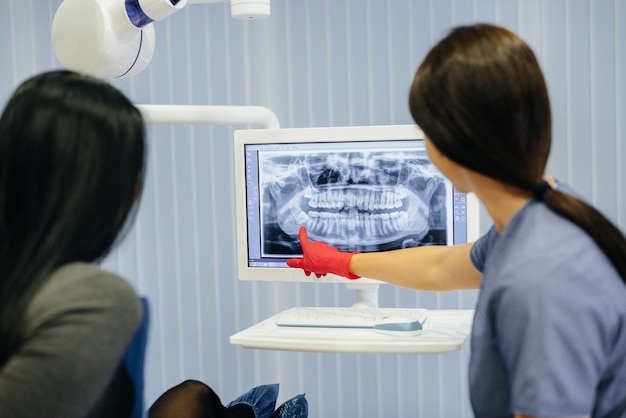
column 444, row 330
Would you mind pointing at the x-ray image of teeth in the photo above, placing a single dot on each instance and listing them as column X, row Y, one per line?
column 355, row 201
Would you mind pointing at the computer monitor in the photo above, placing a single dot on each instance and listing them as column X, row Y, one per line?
column 357, row 188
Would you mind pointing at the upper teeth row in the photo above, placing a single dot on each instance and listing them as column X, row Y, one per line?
column 361, row 199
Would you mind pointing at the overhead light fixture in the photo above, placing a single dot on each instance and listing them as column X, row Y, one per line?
column 116, row 38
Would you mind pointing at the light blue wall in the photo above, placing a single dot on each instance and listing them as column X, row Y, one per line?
column 318, row 63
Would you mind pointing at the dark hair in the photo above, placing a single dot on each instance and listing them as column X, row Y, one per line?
column 481, row 98
column 72, row 161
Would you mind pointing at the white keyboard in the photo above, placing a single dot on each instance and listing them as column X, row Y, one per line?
column 343, row 317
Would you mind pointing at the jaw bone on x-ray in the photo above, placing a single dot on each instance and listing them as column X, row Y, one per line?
column 353, row 200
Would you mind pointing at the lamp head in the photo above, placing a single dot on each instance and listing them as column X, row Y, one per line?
column 115, row 38
column 108, row 38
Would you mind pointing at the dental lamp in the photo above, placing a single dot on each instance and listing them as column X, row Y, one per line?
column 116, row 38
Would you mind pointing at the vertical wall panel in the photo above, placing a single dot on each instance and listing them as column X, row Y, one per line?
column 356, row 31
column 603, row 115
column 486, row 10
column 319, row 63
column 378, row 31
column 398, row 61
column 7, row 39
column 579, row 103
column 554, row 62
column 620, row 108
column 506, row 14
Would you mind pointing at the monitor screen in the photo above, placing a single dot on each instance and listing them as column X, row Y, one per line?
column 367, row 188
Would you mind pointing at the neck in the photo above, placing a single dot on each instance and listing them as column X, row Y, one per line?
column 501, row 200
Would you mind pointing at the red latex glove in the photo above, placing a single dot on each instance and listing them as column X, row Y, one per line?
column 320, row 258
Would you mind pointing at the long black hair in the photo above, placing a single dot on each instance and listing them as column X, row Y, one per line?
column 72, row 162
column 481, row 97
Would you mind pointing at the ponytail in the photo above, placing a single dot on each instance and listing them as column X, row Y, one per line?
column 605, row 234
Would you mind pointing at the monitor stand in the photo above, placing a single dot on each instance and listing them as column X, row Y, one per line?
column 365, row 294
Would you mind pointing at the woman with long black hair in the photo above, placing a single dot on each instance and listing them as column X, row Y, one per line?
column 72, row 163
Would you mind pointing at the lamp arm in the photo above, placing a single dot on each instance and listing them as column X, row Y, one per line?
column 208, row 115
column 242, row 9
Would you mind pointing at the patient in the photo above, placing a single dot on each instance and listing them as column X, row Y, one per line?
column 72, row 163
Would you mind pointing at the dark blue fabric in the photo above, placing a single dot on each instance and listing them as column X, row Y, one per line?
column 262, row 399
column 296, row 407
column 134, row 360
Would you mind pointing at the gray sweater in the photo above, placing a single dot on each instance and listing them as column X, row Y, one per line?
column 78, row 327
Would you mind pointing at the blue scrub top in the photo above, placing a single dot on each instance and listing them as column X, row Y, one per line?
column 549, row 332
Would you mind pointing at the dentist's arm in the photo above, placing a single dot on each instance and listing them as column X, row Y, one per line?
column 423, row 268
column 435, row 268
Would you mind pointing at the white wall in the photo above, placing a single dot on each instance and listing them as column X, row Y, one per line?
column 318, row 63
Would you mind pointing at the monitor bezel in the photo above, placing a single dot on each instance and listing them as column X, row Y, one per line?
column 315, row 134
